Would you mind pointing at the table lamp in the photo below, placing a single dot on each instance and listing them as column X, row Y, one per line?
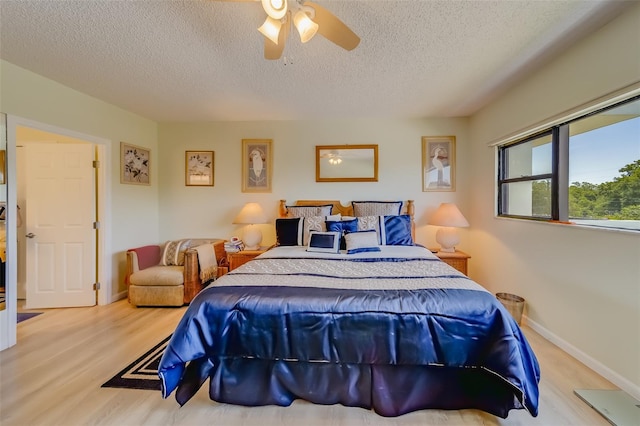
column 448, row 217
column 250, row 215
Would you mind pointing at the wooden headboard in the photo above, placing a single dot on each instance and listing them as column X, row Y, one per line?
column 345, row 210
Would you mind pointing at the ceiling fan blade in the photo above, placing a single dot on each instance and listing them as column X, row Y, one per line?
column 272, row 50
column 333, row 29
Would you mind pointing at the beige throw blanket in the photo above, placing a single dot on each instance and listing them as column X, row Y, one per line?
column 207, row 261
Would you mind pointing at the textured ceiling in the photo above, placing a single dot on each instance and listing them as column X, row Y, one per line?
column 203, row 60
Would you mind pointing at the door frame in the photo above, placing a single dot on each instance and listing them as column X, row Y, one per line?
column 8, row 316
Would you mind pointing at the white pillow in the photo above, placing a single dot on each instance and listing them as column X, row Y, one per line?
column 362, row 241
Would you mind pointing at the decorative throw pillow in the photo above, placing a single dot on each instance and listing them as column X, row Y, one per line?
column 295, row 231
column 396, row 230
column 370, row 223
column 308, row 211
column 324, row 242
column 391, row 230
column 342, row 226
column 289, row 231
column 363, row 241
column 173, row 253
column 376, row 208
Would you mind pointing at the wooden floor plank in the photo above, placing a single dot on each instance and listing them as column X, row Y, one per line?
column 53, row 377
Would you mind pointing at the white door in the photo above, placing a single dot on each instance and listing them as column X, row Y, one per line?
column 60, row 211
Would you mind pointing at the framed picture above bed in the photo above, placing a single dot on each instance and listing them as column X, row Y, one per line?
column 438, row 163
column 257, row 165
column 198, row 169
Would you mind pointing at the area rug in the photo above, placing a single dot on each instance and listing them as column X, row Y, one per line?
column 23, row 316
column 141, row 373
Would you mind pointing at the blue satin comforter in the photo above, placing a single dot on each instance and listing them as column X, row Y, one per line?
column 394, row 331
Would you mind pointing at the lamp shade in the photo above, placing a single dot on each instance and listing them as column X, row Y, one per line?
column 305, row 26
column 250, row 214
column 271, row 29
column 448, row 214
column 275, row 8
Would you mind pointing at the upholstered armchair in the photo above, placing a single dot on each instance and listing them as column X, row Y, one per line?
column 173, row 274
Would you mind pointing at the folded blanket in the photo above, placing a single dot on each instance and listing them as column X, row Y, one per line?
column 207, row 262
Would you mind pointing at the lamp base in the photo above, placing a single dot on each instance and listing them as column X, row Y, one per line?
column 447, row 237
column 252, row 237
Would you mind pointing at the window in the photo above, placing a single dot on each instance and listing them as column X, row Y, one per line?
column 585, row 171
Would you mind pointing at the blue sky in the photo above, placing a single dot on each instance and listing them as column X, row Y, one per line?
column 598, row 155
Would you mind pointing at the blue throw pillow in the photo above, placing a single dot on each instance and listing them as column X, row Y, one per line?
column 342, row 227
column 397, row 230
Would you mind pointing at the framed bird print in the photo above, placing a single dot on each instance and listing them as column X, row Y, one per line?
column 438, row 163
column 198, row 168
column 257, row 165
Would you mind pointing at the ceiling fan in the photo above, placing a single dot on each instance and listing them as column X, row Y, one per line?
column 308, row 18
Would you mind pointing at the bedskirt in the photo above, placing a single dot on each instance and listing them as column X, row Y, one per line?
column 389, row 390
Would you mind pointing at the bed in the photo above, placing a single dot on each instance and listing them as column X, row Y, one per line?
column 387, row 327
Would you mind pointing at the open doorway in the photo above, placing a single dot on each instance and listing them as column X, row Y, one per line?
column 103, row 238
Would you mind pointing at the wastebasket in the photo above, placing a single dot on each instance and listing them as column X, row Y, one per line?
column 513, row 303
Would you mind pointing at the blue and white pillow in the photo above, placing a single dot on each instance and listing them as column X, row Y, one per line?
column 376, row 208
column 309, row 211
column 295, row 231
column 362, row 241
column 392, row 230
column 289, row 231
column 343, row 227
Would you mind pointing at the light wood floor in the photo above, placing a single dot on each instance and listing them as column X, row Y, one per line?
column 53, row 377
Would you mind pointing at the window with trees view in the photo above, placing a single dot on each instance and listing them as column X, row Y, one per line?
column 585, row 171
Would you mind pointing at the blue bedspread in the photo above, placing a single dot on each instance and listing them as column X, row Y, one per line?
column 363, row 314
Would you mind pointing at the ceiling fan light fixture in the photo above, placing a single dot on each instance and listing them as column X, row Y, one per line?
column 275, row 8
column 271, row 29
column 305, row 26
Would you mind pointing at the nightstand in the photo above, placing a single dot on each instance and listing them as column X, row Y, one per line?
column 458, row 259
column 241, row 257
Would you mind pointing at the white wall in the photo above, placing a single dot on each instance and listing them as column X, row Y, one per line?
column 582, row 286
column 194, row 211
column 134, row 212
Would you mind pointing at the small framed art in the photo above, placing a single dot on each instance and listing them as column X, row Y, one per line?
column 198, row 168
column 257, row 161
column 135, row 164
column 3, row 162
column 438, row 163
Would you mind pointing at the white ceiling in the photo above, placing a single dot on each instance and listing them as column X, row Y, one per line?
column 203, row 60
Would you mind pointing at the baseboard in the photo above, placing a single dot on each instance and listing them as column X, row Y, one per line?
column 118, row 296
column 615, row 378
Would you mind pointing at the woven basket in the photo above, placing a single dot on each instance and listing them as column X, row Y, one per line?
column 513, row 303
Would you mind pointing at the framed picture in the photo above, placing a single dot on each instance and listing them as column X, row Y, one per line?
column 438, row 163
column 257, row 161
column 135, row 164
column 3, row 162
column 198, row 168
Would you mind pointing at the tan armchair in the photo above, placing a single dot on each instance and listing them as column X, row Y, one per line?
column 151, row 284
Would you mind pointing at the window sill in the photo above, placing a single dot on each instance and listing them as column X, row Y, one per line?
column 576, row 225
